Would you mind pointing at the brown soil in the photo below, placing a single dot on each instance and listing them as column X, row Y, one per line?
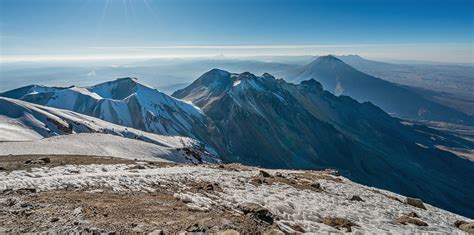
column 107, row 211
column 103, row 210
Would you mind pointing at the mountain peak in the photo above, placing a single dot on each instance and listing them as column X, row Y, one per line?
column 328, row 58
column 246, row 75
column 215, row 72
column 311, row 83
column 129, row 79
column 119, row 88
column 328, row 62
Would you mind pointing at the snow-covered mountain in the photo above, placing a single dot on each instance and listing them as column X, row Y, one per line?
column 125, row 102
column 23, row 127
column 272, row 123
column 342, row 79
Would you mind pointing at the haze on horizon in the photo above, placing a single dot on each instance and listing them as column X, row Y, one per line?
column 105, row 29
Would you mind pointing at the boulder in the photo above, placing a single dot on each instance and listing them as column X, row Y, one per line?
column 264, row 174
column 356, row 198
column 415, row 202
column 45, row 160
column 467, row 227
column 339, row 223
column 257, row 211
column 316, row 185
column 413, row 215
column 409, row 220
column 196, row 228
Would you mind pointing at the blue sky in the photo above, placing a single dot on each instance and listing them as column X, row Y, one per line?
column 423, row 30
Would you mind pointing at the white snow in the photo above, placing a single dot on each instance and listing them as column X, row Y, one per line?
column 111, row 101
column 293, row 206
column 95, row 145
column 236, row 83
column 14, row 130
column 22, row 121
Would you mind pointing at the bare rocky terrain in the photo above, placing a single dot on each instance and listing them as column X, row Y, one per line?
column 92, row 194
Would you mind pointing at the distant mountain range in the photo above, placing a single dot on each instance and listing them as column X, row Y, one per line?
column 452, row 78
column 448, row 84
column 261, row 120
column 342, row 79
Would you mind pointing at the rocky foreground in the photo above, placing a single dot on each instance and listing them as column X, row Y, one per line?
column 103, row 194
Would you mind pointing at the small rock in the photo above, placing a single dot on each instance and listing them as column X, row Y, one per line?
column 415, row 202
column 211, row 187
column 274, row 232
column 339, row 223
column 10, row 202
column 96, row 232
column 332, row 172
column 413, row 214
column 256, row 181
column 279, row 174
column 26, row 190
column 228, row 232
column 53, row 220
column 45, row 159
column 356, row 198
column 75, row 223
column 25, row 204
column 27, row 213
column 257, row 211
column 133, row 225
column 196, row 228
column 137, row 167
column 2, row 168
column 157, row 232
column 264, row 174
column 408, row 220
column 467, row 227
column 297, row 228
column 316, row 185
column 29, row 161
column 77, row 211
column 458, row 223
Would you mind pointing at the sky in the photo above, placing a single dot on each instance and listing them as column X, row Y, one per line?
column 104, row 29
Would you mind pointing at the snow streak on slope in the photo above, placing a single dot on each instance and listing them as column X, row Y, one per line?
column 99, row 145
column 303, row 207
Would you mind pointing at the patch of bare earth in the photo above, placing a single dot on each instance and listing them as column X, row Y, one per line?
column 108, row 211
column 103, row 210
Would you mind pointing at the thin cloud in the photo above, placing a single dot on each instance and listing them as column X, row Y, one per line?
column 256, row 46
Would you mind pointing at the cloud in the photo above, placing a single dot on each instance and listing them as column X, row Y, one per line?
column 243, row 46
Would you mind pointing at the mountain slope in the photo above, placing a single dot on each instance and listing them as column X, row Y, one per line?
column 272, row 123
column 24, row 127
column 125, row 102
column 286, row 202
column 342, row 79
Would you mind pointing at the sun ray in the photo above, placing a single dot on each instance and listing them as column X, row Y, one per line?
column 102, row 18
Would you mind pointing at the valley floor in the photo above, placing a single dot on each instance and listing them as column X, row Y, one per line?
column 103, row 194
